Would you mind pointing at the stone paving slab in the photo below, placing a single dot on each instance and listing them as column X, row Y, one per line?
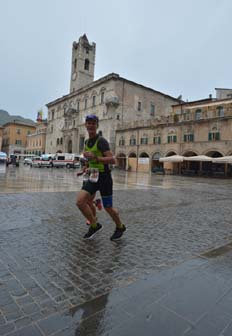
column 47, row 270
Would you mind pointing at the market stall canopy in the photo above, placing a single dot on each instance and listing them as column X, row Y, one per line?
column 198, row 158
column 172, row 158
column 223, row 159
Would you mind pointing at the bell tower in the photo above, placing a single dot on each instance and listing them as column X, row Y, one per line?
column 83, row 62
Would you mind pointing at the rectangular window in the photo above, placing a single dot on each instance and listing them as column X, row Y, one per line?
column 86, row 102
column 78, row 106
column 18, row 142
column 94, row 101
column 220, row 111
column 188, row 137
column 172, row 138
column 213, row 136
column 102, row 97
column 18, row 131
column 157, row 140
column 198, row 115
column 186, row 116
column 144, row 141
column 121, row 142
column 132, row 142
column 139, row 106
column 152, row 109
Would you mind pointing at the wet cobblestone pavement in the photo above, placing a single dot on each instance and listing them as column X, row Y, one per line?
column 52, row 281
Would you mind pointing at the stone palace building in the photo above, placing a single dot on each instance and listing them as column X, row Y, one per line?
column 115, row 100
column 141, row 124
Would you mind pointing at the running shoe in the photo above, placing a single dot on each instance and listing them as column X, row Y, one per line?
column 92, row 231
column 118, row 233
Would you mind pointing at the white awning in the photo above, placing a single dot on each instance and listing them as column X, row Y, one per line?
column 198, row 158
column 223, row 159
column 172, row 158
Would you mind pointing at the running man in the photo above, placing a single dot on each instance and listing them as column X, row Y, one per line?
column 99, row 156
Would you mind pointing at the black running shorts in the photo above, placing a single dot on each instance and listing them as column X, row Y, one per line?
column 104, row 185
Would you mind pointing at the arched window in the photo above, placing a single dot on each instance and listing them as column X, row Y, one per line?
column 86, row 102
column 86, row 64
column 78, row 106
column 102, row 96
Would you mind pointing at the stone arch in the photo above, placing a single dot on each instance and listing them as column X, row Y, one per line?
column 132, row 161
column 170, row 153
column 210, row 168
column 144, row 155
column 190, row 167
column 189, row 152
column 213, row 153
column 132, row 155
column 156, row 166
column 121, row 160
column 144, row 162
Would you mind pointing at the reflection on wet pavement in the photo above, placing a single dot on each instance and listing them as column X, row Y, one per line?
column 25, row 179
column 52, row 282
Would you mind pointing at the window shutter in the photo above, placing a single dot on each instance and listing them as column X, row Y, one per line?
column 210, row 136
column 174, row 138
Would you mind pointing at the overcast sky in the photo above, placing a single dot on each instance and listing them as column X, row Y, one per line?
column 173, row 46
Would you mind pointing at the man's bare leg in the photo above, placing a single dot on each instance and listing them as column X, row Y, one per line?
column 83, row 201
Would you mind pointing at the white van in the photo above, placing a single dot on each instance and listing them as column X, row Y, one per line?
column 68, row 160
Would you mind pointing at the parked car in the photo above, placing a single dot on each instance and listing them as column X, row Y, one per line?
column 43, row 161
column 13, row 159
column 3, row 157
column 28, row 160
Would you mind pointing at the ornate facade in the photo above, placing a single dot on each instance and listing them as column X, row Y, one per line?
column 202, row 127
column 115, row 100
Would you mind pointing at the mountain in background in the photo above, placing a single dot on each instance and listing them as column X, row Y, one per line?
column 5, row 117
